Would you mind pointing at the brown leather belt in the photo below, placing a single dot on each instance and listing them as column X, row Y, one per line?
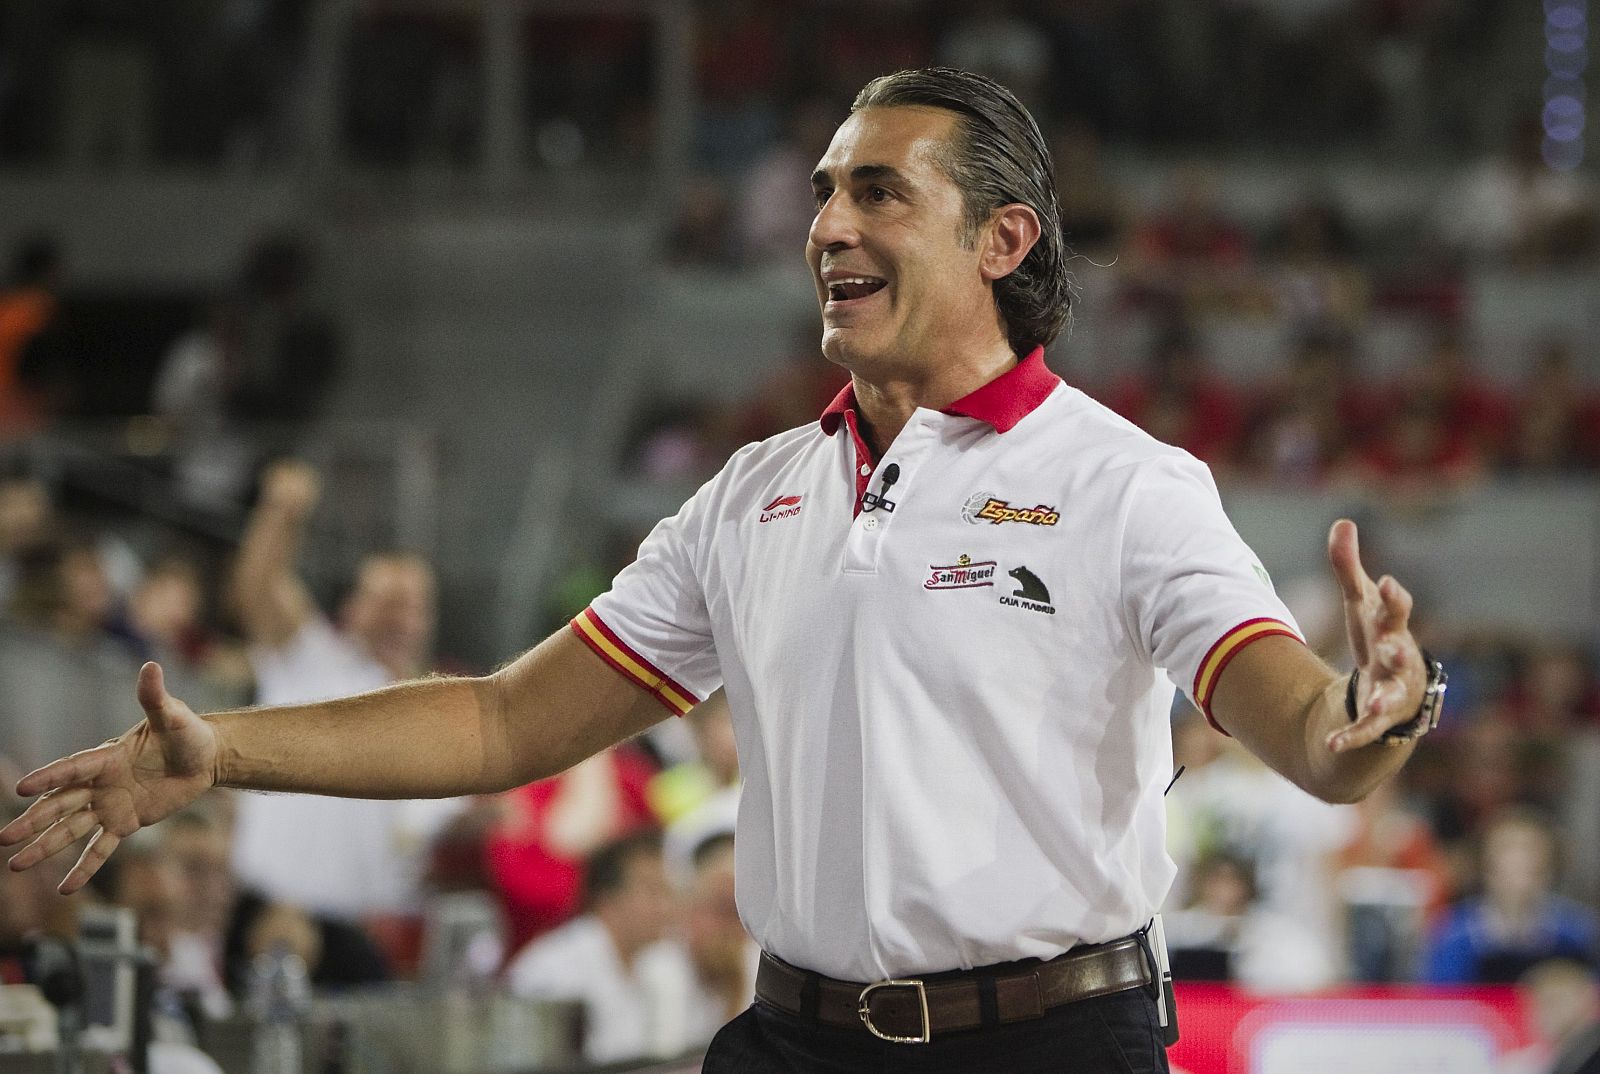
column 913, row 1010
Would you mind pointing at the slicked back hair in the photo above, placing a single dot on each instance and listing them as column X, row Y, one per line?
column 997, row 157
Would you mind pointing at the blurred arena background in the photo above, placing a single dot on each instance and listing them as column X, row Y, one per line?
column 508, row 278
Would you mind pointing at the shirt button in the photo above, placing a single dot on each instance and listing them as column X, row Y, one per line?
column 866, row 468
column 871, row 523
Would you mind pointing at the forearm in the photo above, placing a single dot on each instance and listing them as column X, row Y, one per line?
column 427, row 739
column 1349, row 775
column 439, row 737
column 1285, row 704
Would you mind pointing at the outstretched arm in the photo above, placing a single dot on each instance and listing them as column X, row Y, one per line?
column 1288, row 707
column 438, row 737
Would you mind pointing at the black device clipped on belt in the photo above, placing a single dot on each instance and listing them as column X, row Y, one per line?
column 869, row 502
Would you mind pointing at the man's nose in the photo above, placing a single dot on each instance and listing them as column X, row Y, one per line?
column 834, row 226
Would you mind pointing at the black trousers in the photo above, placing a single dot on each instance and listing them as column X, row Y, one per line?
column 1115, row 1034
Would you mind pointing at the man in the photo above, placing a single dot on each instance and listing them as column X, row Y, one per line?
column 348, row 859
column 1517, row 919
column 942, row 618
column 615, row 958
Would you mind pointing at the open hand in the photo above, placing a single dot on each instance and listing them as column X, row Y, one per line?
column 156, row 768
column 1376, row 616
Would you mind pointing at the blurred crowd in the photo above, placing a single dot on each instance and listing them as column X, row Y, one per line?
column 98, row 84
column 612, row 885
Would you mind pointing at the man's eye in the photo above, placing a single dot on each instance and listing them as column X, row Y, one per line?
column 821, row 196
column 877, row 194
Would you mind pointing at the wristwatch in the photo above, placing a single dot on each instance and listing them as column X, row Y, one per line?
column 1427, row 717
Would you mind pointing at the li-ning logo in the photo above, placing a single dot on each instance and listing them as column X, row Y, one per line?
column 987, row 507
column 962, row 574
column 782, row 507
column 1030, row 592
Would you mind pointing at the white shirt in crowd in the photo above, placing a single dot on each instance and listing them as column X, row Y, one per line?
column 657, row 1009
column 345, row 857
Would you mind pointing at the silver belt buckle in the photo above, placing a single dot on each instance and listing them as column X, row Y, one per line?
column 864, row 1008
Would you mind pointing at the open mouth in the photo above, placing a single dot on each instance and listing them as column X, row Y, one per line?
column 850, row 288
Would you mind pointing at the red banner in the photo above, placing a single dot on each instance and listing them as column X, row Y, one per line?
column 1371, row 1030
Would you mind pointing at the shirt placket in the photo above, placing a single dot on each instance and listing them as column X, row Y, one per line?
column 870, row 527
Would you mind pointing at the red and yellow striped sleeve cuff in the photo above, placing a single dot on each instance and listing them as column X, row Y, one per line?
column 616, row 652
column 1227, row 647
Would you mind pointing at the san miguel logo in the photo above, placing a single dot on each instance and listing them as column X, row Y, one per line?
column 782, row 507
column 986, row 507
column 1030, row 592
column 962, row 574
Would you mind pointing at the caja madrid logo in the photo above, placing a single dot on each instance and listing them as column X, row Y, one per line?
column 984, row 507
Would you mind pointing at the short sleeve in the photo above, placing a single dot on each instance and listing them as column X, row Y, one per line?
column 652, row 625
column 1194, row 592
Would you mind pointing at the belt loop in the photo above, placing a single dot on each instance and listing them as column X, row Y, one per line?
column 988, row 1002
column 1143, row 936
column 810, row 989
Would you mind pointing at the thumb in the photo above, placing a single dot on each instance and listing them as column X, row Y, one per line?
column 153, row 696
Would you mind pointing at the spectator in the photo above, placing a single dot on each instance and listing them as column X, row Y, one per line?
column 25, row 518
column 164, row 621
column 1310, row 418
column 775, row 202
column 1516, row 209
column 701, row 232
column 1517, row 920
column 1556, row 692
column 28, row 307
column 723, row 956
column 1225, row 934
column 1095, row 216
column 1179, row 400
column 1557, row 417
column 1565, row 999
column 108, row 83
column 700, row 800
column 1394, row 879
column 1191, row 256
column 535, row 856
column 344, row 858
column 741, row 67
column 1313, row 272
column 855, row 43
column 221, row 926
column 615, row 958
column 992, row 37
column 794, row 392
column 255, row 374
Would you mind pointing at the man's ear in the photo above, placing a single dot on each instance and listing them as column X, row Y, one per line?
column 1006, row 240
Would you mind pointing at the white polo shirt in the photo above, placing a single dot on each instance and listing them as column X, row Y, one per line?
column 952, row 716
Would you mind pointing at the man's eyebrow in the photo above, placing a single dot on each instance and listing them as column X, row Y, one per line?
column 862, row 173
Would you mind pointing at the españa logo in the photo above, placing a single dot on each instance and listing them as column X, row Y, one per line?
column 987, row 507
column 962, row 574
column 782, row 507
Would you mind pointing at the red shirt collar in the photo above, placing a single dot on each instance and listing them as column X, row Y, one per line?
column 1002, row 402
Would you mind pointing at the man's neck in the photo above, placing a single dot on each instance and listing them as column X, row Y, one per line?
column 885, row 404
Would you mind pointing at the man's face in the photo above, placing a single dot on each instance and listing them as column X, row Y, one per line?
column 392, row 611
column 894, row 276
column 642, row 906
column 203, row 861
